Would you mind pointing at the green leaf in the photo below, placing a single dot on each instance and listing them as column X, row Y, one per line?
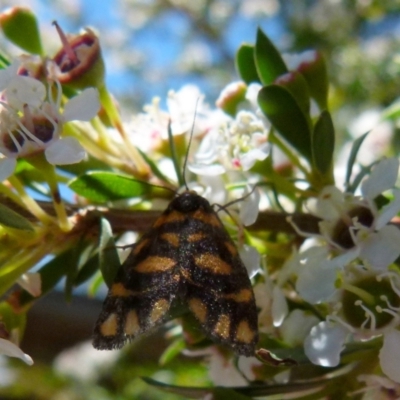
column 108, row 257
column 323, row 142
column 352, row 158
column 91, row 164
column 245, row 64
column 392, row 111
column 11, row 219
column 241, row 393
column 87, row 270
column 153, row 166
column 99, row 186
column 268, row 61
column 172, row 351
column 196, row 392
column 297, row 86
column 315, row 73
column 281, row 108
column 20, row 27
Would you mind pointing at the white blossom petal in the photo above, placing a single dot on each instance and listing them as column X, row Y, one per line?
column 280, row 308
column 389, row 355
column 247, row 160
column 297, row 326
column 251, row 259
column 389, row 211
column 249, row 208
column 25, row 90
column 330, row 203
column 324, row 344
column 65, row 151
column 7, row 167
column 10, row 349
column 383, row 177
column 316, row 279
column 8, row 73
column 82, row 107
column 381, row 248
column 207, row 170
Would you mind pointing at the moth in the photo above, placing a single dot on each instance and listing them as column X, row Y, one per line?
column 186, row 256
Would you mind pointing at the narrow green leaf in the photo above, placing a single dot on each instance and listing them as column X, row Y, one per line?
column 268, row 61
column 352, row 158
column 172, row 351
column 11, row 219
column 20, row 27
column 87, row 270
column 99, row 186
column 239, row 393
column 245, row 64
column 281, row 108
column 174, row 156
column 153, row 166
column 323, row 142
column 95, row 283
column 108, row 257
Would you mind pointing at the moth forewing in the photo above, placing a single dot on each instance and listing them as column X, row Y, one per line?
column 188, row 255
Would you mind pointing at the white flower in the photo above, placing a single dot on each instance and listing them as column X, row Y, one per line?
column 355, row 225
column 326, row 340
column 31, row 123
column 10, row 349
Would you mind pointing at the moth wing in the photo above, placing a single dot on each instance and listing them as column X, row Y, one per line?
column 218, row 289
column 140, row 296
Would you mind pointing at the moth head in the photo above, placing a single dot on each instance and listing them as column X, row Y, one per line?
column 189, row 201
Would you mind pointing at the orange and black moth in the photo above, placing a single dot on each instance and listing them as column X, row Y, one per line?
column 186, row 256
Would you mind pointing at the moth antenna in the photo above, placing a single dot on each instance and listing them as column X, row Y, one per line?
column 188, row 146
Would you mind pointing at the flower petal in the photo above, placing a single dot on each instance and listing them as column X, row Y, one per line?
column 207, row 170
column 247, row 160
column 280, row 307
column 389, row 211
column 383, row 177
column 7, row 167
column 10, row 349
column 297, row 326
column 25, row 90
column 390, row 355
column 324, row 344
column 316, row 279
column 82, row 107
column 251, row 259
column 65, row 151
column 380, row 249
column 249, row 208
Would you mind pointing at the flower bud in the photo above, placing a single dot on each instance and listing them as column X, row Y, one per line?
column 79, row 63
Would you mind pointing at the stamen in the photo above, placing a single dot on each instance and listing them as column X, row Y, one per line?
column 15, row 141
column 369, row 316
column 381, row 310
column 28, row 120
column 338, row 320
column 386, row 300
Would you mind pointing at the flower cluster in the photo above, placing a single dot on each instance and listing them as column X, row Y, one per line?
column 350, row 269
